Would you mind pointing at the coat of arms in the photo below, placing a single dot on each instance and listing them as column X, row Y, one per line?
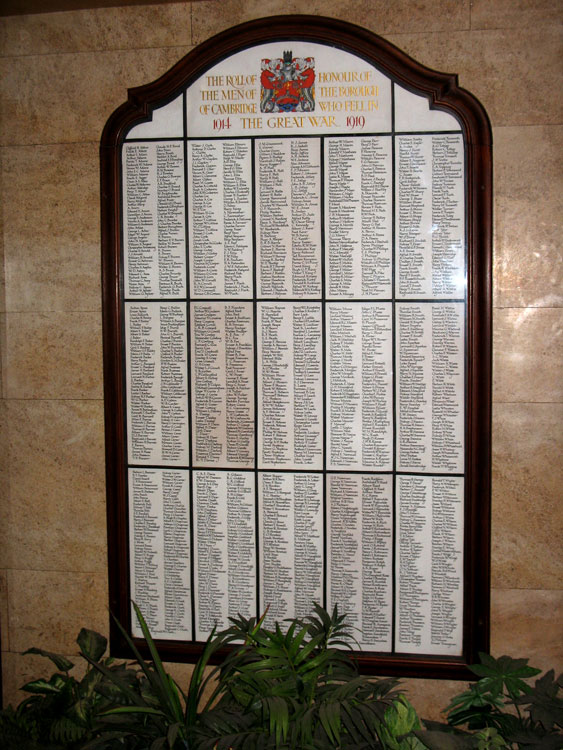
column 288, row 84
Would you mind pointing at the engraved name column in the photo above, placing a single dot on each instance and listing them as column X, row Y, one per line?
column 430, row 350
column 156, row 383
column 222, row 375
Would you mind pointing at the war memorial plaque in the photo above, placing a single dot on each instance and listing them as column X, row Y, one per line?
column 296, row 231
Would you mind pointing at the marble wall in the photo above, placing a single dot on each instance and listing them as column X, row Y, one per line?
column 62, row 75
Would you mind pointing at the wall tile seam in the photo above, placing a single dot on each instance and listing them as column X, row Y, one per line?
column 49, row 144
column 78, row 399
column 528, row 307
column 81, row 573
column 468, row 29
column 95, row 52
column 449, row 32
column 385, row 35
column 518, row 27
column 395, row 34
column 192, row 25
column 524, row 403
column 6, row 635
column 547, row 125
column 97, row 311
column 527, row 588
column 57, row 311
column 93, row 574
column 58, row 143
column 67, row 654
column 90, row 141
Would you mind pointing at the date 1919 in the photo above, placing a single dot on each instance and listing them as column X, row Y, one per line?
column 355, row 121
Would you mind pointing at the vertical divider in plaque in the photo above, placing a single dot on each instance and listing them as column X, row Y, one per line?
column 394, row 358
column 257, row 415
column 323, row 220
column 189, row 437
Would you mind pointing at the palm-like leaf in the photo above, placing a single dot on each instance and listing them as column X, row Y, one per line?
column 296, row 687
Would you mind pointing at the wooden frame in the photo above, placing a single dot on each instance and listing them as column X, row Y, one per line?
column 444, row 94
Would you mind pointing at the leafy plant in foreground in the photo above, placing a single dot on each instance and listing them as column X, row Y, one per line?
column 62, row 711
column 297, row 688
column 501, row 710
column 160, row 715
column 292, row 686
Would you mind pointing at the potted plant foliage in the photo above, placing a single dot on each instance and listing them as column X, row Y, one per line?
column 295, row 686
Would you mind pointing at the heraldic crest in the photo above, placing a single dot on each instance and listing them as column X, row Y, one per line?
column 288, row 84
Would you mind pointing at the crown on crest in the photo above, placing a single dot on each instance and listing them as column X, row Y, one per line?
column 287, row 57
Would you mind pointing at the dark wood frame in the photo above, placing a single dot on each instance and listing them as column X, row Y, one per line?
column 443, row 92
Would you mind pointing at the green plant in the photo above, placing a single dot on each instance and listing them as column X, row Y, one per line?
column 62, row 711
column 502, row 710
column 116, row 705
column 296, row 687
column 159, row 715
column 293, row 686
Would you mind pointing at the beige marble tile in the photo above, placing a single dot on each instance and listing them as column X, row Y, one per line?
column 527, row 352
column 182, row 674
column 51, row 227
column 527, row 522
column 5, row 531
column 4, row 484
column 376, row 15
column 526, row 623
column 528, row 164
column 3, row 362
column 49, row 607
column 69, row 97
column 2, row 298
column 96, row 29
column 510, row 14
column 430, row 697
column 18, row 670
column 2, row 274
column 58, row 505
column 3, row 349
column 514, row 73
column 54, row 355
column 4, row 639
